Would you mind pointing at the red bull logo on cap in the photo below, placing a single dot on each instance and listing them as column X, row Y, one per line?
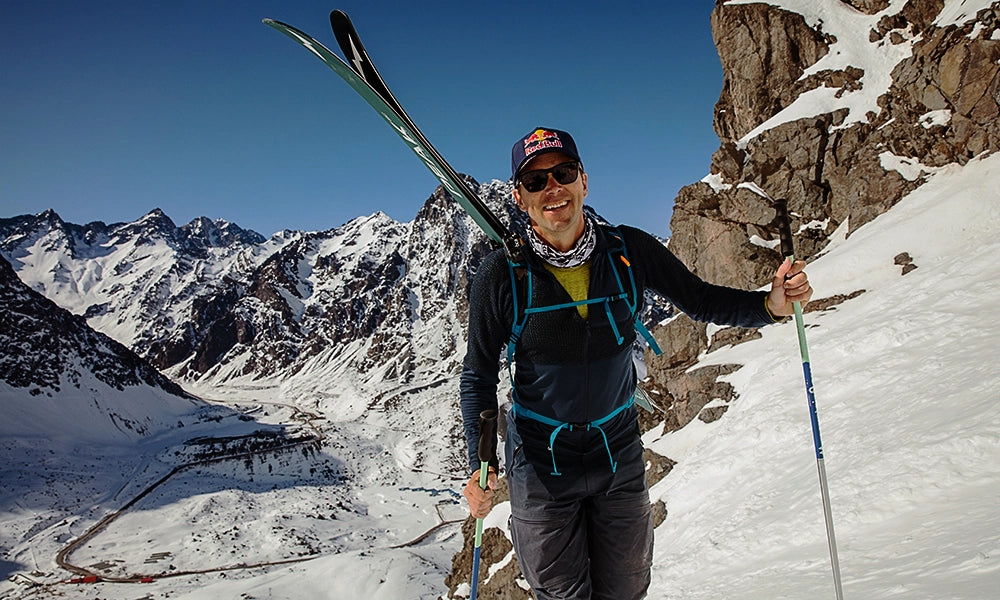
column 539, row 141
column 541, row 138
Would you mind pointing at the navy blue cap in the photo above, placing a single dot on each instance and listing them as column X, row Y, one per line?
column 541, row 140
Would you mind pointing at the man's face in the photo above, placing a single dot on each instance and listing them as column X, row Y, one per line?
column 557, row 210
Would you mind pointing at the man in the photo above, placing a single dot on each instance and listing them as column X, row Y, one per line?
column 580, row 514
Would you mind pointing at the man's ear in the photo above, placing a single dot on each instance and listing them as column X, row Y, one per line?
column 517, row 198
column 583, row 175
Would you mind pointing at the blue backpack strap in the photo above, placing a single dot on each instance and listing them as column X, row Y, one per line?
column 633, row 300
column 520, row 316
column 607, row 309
column 573, row 304
column 646, row 335
column 520, row 411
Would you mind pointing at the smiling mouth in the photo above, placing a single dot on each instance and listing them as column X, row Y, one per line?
column 556, row 206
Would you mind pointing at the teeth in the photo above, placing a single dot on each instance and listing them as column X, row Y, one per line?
column 555, row 206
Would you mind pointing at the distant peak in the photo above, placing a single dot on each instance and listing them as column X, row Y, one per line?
column 158, row 216
column 219, row 232
column 49, row 216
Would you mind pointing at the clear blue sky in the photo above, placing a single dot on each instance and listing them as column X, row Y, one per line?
column 110, row 108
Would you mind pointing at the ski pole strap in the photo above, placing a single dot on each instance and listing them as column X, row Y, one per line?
column 560, row 426
column 487, row 442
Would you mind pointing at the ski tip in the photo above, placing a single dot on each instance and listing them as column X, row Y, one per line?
column 339, row 15
column 276, row 23
column 280, row 26
column 341, row 22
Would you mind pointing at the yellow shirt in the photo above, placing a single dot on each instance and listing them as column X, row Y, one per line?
column 576, row 282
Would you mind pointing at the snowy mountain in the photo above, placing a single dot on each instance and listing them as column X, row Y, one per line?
column 212, row 302
column 338, row 350
column 374, row 301
column 61, row 379
column 132, row 281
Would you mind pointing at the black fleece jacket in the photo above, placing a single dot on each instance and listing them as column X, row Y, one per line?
column 571, row 369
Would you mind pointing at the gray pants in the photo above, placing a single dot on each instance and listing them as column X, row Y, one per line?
column 585, row 535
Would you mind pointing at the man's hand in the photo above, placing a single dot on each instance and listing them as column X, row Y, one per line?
column 480, row 500
column 790, row 285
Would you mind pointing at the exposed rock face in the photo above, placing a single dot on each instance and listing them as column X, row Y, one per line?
column 764, row 54
column 835, row 168
column 940, row 108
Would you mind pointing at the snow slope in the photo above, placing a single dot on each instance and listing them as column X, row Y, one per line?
column 907, row 401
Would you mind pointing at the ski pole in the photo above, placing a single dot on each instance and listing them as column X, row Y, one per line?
column 788, row 251
column 487, row 453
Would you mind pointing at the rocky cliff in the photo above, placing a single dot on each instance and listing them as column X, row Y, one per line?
column 842, row 107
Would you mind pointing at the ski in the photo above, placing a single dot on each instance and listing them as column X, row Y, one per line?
column 361, row 75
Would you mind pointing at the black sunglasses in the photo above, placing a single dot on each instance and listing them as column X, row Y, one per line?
column 536, row 180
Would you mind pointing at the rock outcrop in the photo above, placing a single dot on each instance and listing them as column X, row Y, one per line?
column 836, row 168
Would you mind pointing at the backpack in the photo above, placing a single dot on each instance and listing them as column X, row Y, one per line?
column 522, row 295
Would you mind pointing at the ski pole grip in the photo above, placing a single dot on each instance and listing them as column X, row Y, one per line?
column 784, row 223
column 488, row 436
